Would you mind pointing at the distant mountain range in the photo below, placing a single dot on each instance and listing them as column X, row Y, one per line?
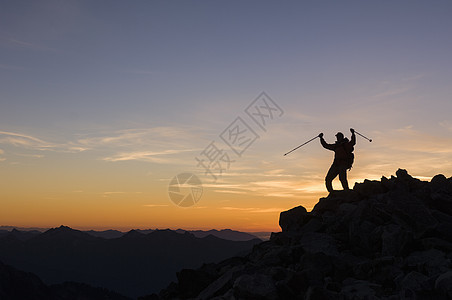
column 16, row 284
column 134, row 263
column 226, row 234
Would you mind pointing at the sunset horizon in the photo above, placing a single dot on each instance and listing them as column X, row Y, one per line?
column 104, row 105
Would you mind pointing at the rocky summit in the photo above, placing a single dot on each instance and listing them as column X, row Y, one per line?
column 387, row 239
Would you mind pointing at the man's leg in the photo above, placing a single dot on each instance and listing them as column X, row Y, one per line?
column 332, row 173
column 343, row 178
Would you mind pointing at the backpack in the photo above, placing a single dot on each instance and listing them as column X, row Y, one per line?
column 349, row 152
column 350, row 156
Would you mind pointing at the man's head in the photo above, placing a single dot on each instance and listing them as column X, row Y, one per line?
column 339, row 136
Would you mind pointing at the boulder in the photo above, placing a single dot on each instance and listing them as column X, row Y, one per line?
column 315, row 242
column 443, row 284
column 255, row 286
column 359, row 289
column 414, row 282
column 293, row 219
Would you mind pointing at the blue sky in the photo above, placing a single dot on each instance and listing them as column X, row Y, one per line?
column 141, row 87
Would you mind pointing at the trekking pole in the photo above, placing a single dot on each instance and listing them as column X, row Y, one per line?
column 301, row 145
column 370, row 140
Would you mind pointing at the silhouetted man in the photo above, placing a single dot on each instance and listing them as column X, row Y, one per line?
column 343, row 158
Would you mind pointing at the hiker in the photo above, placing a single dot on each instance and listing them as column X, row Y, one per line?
column 343, row 159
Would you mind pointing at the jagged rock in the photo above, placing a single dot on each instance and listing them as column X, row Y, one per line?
column 319, row 293
column 255, row 286
column 444, row 284
column 191, row 282
column 359, row 289
column 430, row 262
column 293, row 219
column 315, row 242
column 414, row 281
column 394, row 239
column 388, row 239
column 220, row 285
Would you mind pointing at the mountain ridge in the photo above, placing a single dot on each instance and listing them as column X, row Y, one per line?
column 227, row 234
column 133, row 264
column 387, row 239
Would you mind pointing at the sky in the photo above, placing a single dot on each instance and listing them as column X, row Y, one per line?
column 103, row 103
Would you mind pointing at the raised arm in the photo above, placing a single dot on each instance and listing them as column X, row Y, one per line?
column 324, row 143
column 353, row 140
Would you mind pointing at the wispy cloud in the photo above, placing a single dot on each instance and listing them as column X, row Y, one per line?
column 31, row 142
column 139, row 136
column 230, row 191
column 415, row 77
column 446, row 124
column 393, row 92
column 156, row 157
column 108, row 194
column 18, row 139
column 157, row 144
column 254, row 209
column 1, row 153
column 28, row 45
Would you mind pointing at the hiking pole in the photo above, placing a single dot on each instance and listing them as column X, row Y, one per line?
column 370, row 140
column 301, row 145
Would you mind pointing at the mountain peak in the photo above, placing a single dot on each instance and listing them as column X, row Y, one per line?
column 133, row 234
column 65, row 232
column 384, row 239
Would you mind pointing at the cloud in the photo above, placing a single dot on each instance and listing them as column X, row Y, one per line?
column 415, row 77
column 139, row 136
column 156, row 205
column 31, row 142
column 123, row 145
column 2, row 158
column 230, row 191
column 154, row 144
column 28, row 45
column 393, row 92
column 254, row 209
column 108, row 194
column 149, row 156
column 446, row 124
column 18, row 139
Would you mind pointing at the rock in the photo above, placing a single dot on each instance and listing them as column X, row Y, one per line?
column 430, row 262
column 255, row 286
column 383, row 240
column 313, row 225
column 319, row 293
column 444, row 227
column 219, row 286
column 443, row 284
column 334, row 200
column 402, row 174
column 293, row 219
column 414, row 281
column 191, row 283
column 411, row 213
column 368, row 188
column 394, row 239
column 439, row 182
column 359, row 289
column 315, row 242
